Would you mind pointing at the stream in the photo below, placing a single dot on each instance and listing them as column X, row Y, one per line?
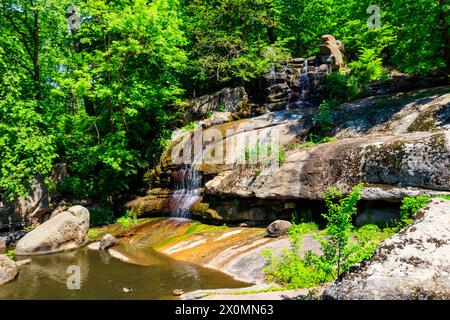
column 104, row 277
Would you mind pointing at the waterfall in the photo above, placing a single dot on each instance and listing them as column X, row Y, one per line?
column 187, row 182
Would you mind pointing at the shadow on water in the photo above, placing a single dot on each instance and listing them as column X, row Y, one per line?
column 104, row 277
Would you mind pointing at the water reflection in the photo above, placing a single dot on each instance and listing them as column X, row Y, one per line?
column 103, row 277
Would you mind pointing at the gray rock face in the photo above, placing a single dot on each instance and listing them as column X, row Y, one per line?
column 228, row 99
column 68, row 230
column 415, row 160
column 278, row 228
column 413, row 264
column 107, row 241
column 8, row 269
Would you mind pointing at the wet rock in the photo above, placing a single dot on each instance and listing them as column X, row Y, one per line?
column 107, row 241
column 278, row 228
column 68, row 230
column 94, row 246
column 413, row 264
column 8, row 269
column 21, row 263
column 156, row 202
column 177, row 292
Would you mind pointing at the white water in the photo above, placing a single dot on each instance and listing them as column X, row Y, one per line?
column 187, row 182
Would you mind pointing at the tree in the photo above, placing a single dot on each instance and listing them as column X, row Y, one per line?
column 230, row 41
column 32, row 42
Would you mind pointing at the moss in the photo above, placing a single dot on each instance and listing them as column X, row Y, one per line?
column 425, row 121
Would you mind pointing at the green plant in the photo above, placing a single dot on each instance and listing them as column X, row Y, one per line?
column 290, row 269
column 410, row 205
column 303, row 217
column 208, row 114
column 101, row 216
column 221, row 108
column 336, row 247
column 189, row 127
column 324, row 117
column 341, row 245
column 126, row 221
column 92, row 233
column 256, row 172
column 11, row 254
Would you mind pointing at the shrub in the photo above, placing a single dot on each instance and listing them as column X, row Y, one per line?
column 101, row 216
column 324, row 116
column 289, row 269
column 341, row 244
column 126, row 220
column 409, row 207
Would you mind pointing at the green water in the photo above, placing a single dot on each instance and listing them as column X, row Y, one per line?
column 104, row 277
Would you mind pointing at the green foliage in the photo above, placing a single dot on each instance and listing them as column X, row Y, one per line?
column 368, row 67
column 341, row 245
column 126, row 220
column 338, row 253
column 189, row 127
column 290, row 269
column 92, row 233
column 313, row 140
column 409, row 207
column 324, row 117
column 231, row 40
column 103, row 99
column 303, row 216
column 11, row 254
column 101, row 216
column 221, row 108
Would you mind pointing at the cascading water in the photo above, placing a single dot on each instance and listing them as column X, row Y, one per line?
column 187, row 182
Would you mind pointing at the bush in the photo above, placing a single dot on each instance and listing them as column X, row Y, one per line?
column 289, row 269
column 126, row 220
column 409, row 207
column 341, row 244
column 101, row 216
column 324, row 117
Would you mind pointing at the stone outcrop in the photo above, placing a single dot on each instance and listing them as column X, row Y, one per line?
column 410, row 161
column 232, row 100
column 413, row 264
column 68, row 230
column 398, row 145
column 331, row 52
column 8, row 269
column 299, row 83
column 156, row 202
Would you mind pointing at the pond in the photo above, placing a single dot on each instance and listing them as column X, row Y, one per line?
column 104, row 277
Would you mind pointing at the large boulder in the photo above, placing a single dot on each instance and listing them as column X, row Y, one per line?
column 8, row 269
column 278, row 228
column 68, row 230
column 107, row 241
column 331, row 51
column 413, row 264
